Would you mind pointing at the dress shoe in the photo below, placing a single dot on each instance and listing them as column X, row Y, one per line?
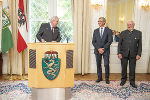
column 122, row 83
column 98, row 80
column 107, row 81
column 133, row 85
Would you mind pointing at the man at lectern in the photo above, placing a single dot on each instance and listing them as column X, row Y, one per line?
column 49, row 32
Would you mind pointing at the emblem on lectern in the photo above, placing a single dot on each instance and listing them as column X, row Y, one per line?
column 51, row 65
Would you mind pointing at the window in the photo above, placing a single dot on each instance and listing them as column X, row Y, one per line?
column 39, row 14
column 64, row 12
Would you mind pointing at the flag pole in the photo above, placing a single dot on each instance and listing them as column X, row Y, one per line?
column 11, row 77
column 23, row 66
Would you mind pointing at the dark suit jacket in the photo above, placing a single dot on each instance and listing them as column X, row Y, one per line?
column 45, row 33
column 116, row 38
column 130, row 42
column 103, row 42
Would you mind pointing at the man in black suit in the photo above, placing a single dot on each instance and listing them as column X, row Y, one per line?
column 49, row 32
column 102, row 39
column 129, row 48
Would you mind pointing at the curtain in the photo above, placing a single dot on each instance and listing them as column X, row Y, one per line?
column 0, row 20
column 142, row 22
column 16, row 58
column 82, row 34
column 26, row 10
column 52, row 8
column 96, row 13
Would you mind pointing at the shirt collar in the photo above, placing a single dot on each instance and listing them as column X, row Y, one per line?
column 102, row 27
column 50, row 25
column 131, row 30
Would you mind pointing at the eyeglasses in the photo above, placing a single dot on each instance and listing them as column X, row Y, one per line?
column 100, row 21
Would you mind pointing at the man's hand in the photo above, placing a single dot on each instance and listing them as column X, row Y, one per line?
column 42, row 40
column 120, row 56
column 101, row 50
column 137, row 57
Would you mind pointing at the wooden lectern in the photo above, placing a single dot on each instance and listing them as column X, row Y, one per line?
column 36, row 52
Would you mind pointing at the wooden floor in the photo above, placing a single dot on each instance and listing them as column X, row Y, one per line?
column 138, row 77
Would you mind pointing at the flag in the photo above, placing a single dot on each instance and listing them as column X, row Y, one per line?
column 6, row 39
column 22, row 28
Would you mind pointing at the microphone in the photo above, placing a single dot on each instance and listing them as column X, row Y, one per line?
column 35, row 40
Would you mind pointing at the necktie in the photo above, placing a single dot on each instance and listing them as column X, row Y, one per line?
column 52, row 30
column 101, row 32
column 114, row 38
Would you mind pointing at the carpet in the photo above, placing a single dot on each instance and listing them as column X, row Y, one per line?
column 90, row 90
column 83, row 90
column 15, row 90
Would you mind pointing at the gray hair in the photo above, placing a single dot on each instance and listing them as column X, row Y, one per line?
column 104, row 20
column 54, row 18
column 131, row 22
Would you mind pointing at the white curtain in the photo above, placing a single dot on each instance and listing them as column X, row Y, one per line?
column 4, row 56
column 52, row 8
column 96, row 13
column 82, row 34
column 16, row 58
column 0, row 22
column 142, row 23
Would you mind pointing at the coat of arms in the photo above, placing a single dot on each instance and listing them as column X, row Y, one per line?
column 51, row 65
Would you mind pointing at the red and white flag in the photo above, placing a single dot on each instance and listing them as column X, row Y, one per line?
column 22, row 28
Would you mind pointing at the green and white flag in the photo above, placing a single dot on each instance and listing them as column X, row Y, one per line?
column 6, row 38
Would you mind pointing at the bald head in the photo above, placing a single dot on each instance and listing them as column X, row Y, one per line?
column 130, row 25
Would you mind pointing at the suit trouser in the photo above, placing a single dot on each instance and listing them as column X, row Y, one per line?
column 132, row 64
column 99, row 67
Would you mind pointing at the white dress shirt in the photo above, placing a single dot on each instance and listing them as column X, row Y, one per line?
column 101, row 29
column 52, row 27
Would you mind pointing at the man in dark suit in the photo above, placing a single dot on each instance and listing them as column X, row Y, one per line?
column 102, row 39
column 115, row 36
column 49, row 32
column 129, row 49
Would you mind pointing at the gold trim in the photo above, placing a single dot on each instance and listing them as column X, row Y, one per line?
column 96, row 6
column 145, row 7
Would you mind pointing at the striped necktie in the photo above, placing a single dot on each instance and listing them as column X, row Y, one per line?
column 52, row 30
column 101, row 32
